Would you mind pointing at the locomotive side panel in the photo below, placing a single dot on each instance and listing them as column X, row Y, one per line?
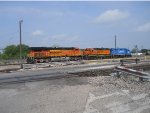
column 65, row 53
column 89, row 51
column 120, row 52
column 55, row 53
column 103, row 52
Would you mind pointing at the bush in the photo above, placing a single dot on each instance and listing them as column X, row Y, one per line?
column 13, row 51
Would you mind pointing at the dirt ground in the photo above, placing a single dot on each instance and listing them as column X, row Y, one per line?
column 100, row 94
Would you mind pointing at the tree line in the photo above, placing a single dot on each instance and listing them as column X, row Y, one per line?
column 13, row 52
column 144, row 51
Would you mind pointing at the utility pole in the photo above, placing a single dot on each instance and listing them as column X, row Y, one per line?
column 20, row 22
column 115, row 42
column 136, row 48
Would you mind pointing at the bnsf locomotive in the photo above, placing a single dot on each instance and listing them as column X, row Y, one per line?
column 45, row 54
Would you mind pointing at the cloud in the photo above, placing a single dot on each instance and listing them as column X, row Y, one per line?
column 143, row 28
column 111, row 16
column 37, row 33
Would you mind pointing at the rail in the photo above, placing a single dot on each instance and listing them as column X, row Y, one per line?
column 119, row 70
column 40, row 77
column 142, row 75
column 129, row 61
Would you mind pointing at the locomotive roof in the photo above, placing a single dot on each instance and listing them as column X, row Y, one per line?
column 101, row 48
column 51, row 48
column 119, row 48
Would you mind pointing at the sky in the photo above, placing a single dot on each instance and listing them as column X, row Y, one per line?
column 76, row 24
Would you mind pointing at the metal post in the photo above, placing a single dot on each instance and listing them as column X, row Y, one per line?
column 20, row 43
column 118, row 75
column 121, row 61
column 115, row 42
column 136, row 47
column 20, row 39
column 136, row 60
column 140, row 79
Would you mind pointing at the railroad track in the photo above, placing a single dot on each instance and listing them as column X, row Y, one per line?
column 23, row 79
column 145, row 67
column 57, row 75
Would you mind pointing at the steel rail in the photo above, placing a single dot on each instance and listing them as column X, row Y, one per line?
column 13, row 80
column 142, row 75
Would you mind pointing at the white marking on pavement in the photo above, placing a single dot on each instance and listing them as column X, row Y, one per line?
column 92, row 98
column 119, row 107
column 140, row 96
column 140, row 109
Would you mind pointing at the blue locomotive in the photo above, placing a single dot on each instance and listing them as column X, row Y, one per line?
column 120, row 52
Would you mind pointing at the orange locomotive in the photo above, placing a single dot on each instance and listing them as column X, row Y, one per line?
column 44, row 54
column 96, row 52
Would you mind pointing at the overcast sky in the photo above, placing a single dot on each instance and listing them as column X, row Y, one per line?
column 76, row 24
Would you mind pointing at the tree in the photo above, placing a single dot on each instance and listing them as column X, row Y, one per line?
column 144, row 50
column 10, row 51
column 0, row 55
column 25, row 50
column 135, row 49
column 13, row 51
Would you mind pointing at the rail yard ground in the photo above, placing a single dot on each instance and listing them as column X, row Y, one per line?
column 88, row 88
